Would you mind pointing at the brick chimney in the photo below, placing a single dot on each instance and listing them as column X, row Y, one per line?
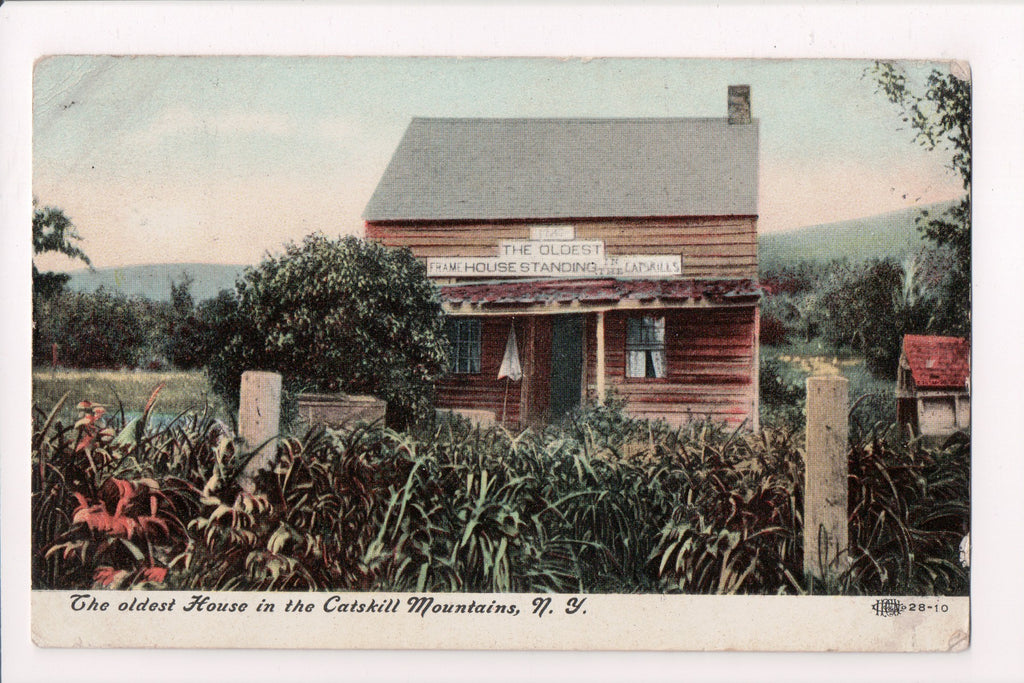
column 739, row 104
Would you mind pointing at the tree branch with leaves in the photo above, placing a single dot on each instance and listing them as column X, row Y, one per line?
column 53, row 232
column 941, row 121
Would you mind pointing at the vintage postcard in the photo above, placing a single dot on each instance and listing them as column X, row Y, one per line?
column 613, row 354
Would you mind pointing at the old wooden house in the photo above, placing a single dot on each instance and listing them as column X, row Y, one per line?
column 581, row 257
column 933, row 391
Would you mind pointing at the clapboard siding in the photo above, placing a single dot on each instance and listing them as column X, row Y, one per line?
column 710, row 362
column 710, row 366
column 711, row 247
column 483, row 390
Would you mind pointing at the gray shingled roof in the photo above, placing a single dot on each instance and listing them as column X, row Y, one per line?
column 478, row 169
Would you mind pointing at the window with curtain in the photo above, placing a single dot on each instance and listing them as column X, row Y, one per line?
column 645, row 347
column 463, row 345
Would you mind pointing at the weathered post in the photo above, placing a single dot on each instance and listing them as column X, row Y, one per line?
column 826, row 470
column 599, row 353
column 259, row 417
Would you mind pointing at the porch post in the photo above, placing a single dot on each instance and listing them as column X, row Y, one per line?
column 526, row 387
column 599, row 352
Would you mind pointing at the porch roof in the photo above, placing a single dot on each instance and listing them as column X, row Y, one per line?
column 610, row 292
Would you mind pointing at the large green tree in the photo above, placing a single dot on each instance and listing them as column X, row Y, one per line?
column 338, row 315
column 869, row 307
column 183, row 342
column 53, row 231
column 194, row 332
column 941, row 121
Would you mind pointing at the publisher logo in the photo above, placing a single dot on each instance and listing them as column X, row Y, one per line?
column 888, row 607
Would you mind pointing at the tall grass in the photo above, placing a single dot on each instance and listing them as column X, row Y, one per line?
column 603, row 503
column 909, row 510
column 114, row 389
column 872, row 401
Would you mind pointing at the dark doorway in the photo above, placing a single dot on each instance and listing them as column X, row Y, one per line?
column 566, row 363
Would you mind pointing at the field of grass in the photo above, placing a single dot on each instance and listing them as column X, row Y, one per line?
column 130, row 389
column 872, row 399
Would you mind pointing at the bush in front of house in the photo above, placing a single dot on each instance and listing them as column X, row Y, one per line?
column 338, row 315
column 605, row 504
column 909, row 511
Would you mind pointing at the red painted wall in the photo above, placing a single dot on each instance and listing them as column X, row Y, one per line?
column 483, row 390
column 710, row 365
column 716, row 247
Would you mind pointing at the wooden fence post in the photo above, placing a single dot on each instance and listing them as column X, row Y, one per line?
column 259, row 417
column 826, row 471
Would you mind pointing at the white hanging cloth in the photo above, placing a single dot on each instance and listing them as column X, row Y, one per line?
column 510, row 366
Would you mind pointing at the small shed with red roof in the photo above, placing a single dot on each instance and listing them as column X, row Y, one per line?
column 580, row 257
column 933, row 390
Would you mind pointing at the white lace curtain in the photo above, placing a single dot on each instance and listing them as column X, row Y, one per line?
column 645, row 347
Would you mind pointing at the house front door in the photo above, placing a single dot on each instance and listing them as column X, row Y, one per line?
column 566, row 363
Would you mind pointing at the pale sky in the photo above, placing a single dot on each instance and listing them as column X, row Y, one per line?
column 222, row 159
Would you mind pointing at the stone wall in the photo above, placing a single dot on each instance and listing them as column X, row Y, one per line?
column 337, row 410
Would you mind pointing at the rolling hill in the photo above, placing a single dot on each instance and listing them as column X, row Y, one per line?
column 885, row 235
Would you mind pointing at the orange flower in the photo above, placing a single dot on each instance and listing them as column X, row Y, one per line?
column 124, row 497
column 106, row 576
column 88, row 416
column 155, row 574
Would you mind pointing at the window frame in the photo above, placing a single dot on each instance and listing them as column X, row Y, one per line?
column 646, row 327
column 464, row 345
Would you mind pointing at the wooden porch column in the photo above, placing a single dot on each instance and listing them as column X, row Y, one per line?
column 599, row 353
column 526, row 388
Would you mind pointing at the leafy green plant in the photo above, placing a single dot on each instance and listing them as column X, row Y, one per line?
column 119, row 530
column 53, row 231
column 783, row 392
column 739, row 529
column 940, row 119
column 909, row 510
column 601, row 503
column 97, row 330
column 338, row 315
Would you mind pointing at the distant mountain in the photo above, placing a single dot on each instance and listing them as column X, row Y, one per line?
column 886, row 235
column 154, row 281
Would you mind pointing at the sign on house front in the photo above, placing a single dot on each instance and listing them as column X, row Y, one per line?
column 554, row 251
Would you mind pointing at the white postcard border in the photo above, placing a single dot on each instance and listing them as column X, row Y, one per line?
column 498, row 621
column 988, row 36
